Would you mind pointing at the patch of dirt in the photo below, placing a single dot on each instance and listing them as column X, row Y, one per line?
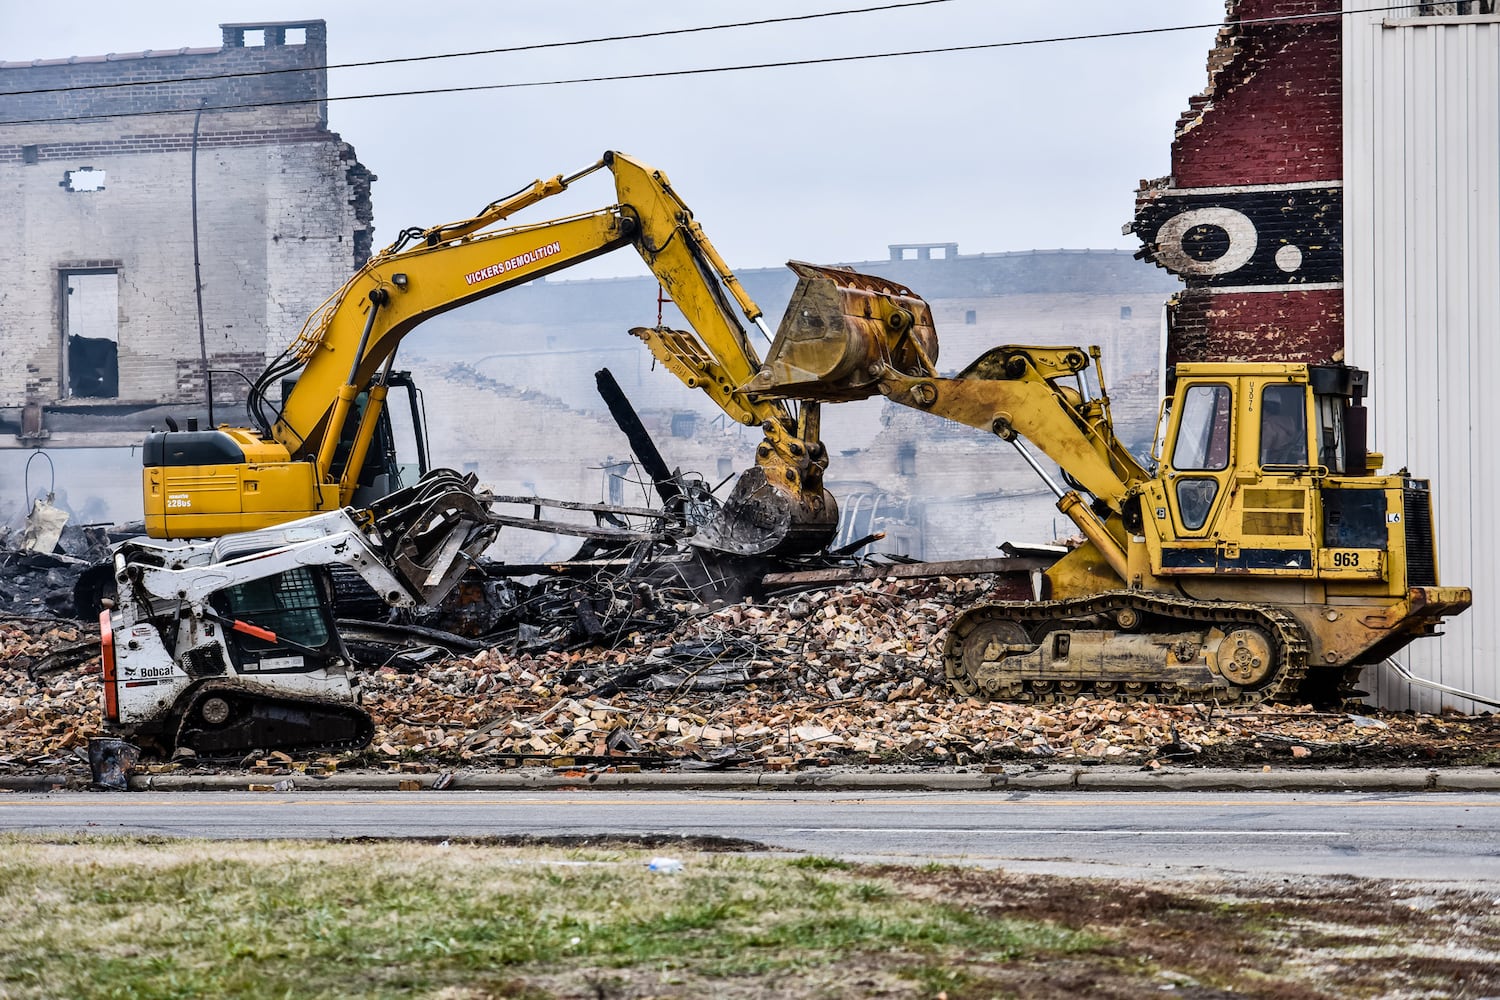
column 1293, row 939
column 1306, row 938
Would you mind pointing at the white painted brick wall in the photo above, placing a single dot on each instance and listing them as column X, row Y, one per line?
column 276, row 231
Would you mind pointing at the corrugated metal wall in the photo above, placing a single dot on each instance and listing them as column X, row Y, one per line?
column 1422, row 303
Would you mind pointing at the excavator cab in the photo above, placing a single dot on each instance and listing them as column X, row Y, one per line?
column 208, row 483
column 397, row 431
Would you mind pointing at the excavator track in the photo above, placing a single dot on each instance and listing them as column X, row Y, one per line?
column 229, row 720
column 1127, row 645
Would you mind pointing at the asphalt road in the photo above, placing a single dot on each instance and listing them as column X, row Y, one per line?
column 1453, row 838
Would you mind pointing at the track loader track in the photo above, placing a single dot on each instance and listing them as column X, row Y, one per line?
column 1128, row 645
column 228, row 720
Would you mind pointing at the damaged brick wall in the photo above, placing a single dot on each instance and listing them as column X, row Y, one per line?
column 1251, row 217
column 283, row 211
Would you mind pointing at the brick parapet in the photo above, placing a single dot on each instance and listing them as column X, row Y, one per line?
column 159, row 143
column 1251, row 215
column 184, row 80
column 1272, row 110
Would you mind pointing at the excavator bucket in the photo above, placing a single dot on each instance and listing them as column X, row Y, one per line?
column 841, row 330
column 762, row 517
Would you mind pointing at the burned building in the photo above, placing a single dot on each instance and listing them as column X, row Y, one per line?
column 168, row 213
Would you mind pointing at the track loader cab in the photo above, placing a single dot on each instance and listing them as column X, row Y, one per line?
column 1245, row 452
column 1264, row 471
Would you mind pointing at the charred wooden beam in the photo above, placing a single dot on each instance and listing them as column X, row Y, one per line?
column 907, row 571
column 629, row 422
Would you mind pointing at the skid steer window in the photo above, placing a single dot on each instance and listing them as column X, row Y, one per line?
column 1202, row 442
column 288, row 604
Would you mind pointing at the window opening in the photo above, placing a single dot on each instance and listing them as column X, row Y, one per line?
column 83, row 179
column 1202, row 441
column 971, row 317
column 1283, row 425
column 1455, row 8
column 906, row 460
column 91, row 333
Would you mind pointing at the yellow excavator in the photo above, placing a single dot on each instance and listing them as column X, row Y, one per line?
column 1258, row 556
column 327, row 446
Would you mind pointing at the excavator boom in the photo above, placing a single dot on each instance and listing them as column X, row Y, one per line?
column 313, row 452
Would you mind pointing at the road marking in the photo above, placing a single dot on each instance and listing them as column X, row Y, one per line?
column 1026, row 831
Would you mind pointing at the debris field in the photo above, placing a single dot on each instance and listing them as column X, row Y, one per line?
column 844, row 675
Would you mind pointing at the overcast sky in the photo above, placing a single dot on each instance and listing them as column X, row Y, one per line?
column 1034, row 146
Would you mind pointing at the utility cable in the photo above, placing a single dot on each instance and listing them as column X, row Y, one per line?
column 743, row 67
column 533, row 47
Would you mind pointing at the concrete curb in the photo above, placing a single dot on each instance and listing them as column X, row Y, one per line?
column 33, row 783
column 1028, row 780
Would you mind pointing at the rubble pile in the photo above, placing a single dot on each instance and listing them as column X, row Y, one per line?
column 848, row 675
column 49, row 694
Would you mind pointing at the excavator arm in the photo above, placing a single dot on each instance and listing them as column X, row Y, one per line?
column 343, row 358
column 836, row 344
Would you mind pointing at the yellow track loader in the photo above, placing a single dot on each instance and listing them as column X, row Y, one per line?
column 1258, row 555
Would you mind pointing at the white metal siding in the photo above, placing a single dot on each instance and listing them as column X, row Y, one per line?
column 1422, row 304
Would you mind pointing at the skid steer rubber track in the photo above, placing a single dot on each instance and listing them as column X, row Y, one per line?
column 229, row 720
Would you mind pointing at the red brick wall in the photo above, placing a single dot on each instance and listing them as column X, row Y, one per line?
column 1254, row 327
column 1251, row 216
column 1273, row 113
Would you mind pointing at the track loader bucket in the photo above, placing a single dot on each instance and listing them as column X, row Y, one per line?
column 841, row 330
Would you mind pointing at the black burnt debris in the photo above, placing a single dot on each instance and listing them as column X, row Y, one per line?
column 42, row 578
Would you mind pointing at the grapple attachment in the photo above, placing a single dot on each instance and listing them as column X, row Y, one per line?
column 841, row 331
column 434, row 530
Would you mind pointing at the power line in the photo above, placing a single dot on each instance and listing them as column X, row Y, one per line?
column 709, row 70
column 480, row 52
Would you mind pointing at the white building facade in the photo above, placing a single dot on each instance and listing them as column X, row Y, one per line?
column 1422, row 300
